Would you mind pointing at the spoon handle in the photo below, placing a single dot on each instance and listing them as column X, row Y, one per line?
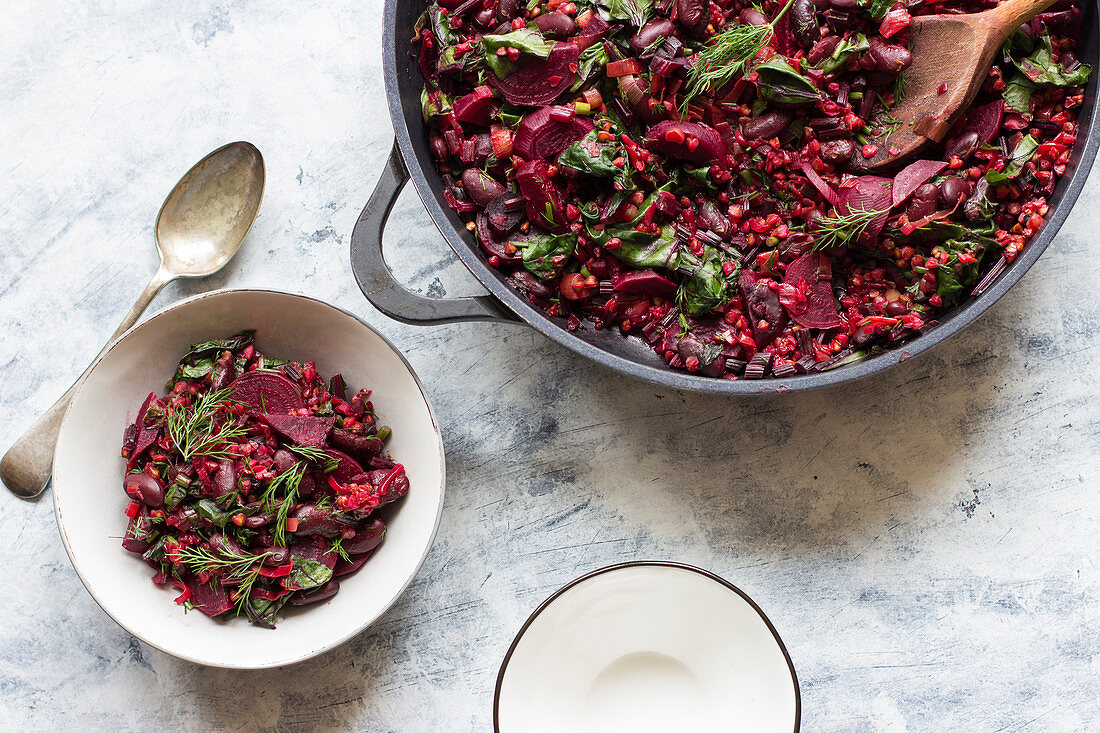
column 1011, row 15
column 25, row 468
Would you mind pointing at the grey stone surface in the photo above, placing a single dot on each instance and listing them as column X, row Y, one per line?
column 924, row 542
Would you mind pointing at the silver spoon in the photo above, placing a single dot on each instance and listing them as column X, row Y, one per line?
column 201, row 225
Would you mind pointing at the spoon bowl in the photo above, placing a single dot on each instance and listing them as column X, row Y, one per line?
column 207, row 215
column 952, row 55
column 201, row 225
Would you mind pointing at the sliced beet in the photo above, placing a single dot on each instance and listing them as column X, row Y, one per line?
column 139, row 533
column 346, row 466
column 266, row 392
column 766, row 313
column 541, row 136
column 536, row 81
column 868, row 193
column 326, row 591
column 493, row 246
column 816, row 270
column 690, row 141
column 211, row 597
column 985, row 121
column 912, row 176
column 544, row 206
column 593, row 30
column 504, row 213
column 301, row 429
column 146, row 433
column 347, row 567
column 225, row 478
column 819, row 183
column 474, row 107
column 644, row 282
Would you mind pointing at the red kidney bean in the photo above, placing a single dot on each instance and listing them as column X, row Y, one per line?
column 315, row 521
column 804, row 22
column 962, row 146
column 767, row 125
column 485, row 17
column 533, row 285
column 555, row 25
column 276, row 556
column 650, row 32
column 953, row 191
column 149, row 490
column 255, row 521
column 328, row 590
column 439, row 148
column 794, row 246
column 820, row 50
column 283, row 460
column 367, row 538
column 896, row 308
column 479, row 187
column 508, row 9
column 693, row 14
column 752, row 16
column 219, row 542
column 922, row 202
column 888, row 57
column 838, row 151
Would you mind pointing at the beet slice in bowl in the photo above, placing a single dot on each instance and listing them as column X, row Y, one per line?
column 912, row 177
column 266, row 392
column 303, row 430
column 868, row 194
column 544, row 206
column 766, row 313
column 819, row 308
column 690, row 141
column 536, row 81
column 540, row 135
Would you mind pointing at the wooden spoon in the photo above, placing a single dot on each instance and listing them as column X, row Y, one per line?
column 952, row 53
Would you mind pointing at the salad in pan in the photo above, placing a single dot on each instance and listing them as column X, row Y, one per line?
column 689, row 172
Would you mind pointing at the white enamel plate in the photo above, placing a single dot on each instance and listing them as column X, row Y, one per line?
column 647, row 646
column 90, row 503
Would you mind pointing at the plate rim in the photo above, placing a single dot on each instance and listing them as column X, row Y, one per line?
column 647, row 563
column 221, row 292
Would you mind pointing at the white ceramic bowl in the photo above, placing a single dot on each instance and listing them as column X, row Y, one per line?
column 87, row 475
column 647, row 646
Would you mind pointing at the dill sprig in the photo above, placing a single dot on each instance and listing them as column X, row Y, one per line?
column 313, row 454
column 281, row 494
column 724, row 59
column 245, row 568
column 338, row 548
column 196, row 431
column 841, row 229
column 885, row 126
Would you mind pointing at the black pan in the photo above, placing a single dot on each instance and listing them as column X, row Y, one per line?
column 410, row 159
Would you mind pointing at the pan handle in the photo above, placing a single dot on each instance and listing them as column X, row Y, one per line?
column 375, row 278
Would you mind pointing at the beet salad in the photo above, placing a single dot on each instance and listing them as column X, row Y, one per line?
column 689, row 172
column 253, row 481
